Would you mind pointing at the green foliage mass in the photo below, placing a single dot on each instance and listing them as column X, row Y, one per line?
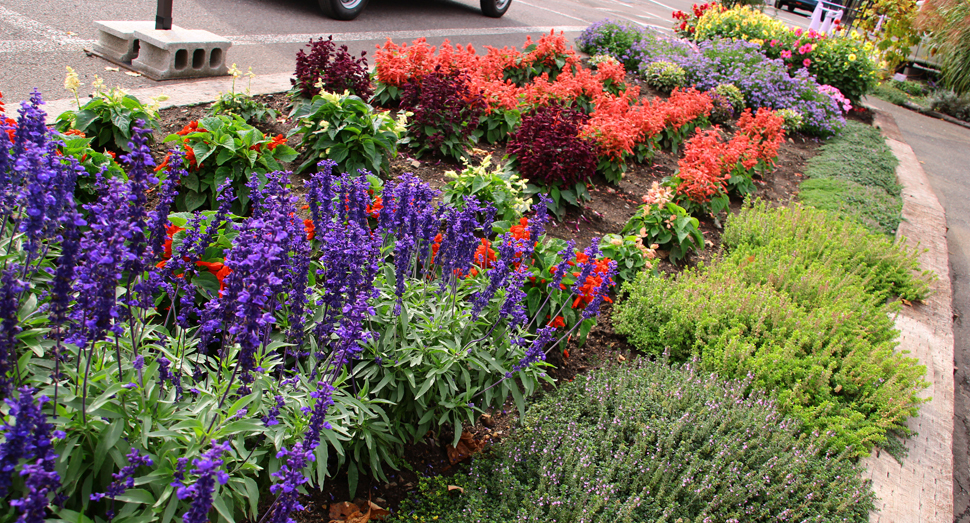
column 650, row 443
column 859, row 156
column 869, row 206
column 798, row 303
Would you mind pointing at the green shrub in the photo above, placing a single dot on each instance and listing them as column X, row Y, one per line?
column 664, row 76
column 854, row 175
column 499, row 186
column 651, row 443
column 109, row 116
column 859, row 154
column 888, row 269
column 869, row 206
column 793, row 119
column 222, row 149
column 348, row 131
column 909, row 87
column 950, row 103
column 798, row 304
column 733, row 95
column 890, row 94
column 662, row 222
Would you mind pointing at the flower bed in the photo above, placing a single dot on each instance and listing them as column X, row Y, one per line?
column 215, row 357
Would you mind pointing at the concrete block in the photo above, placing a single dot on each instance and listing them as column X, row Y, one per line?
column 180, row 53
column 116, row 39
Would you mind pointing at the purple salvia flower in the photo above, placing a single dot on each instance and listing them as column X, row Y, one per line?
column 536, row 351
column 566, row 255
column 124, row 479
column 10, row 289
column 208, row 468
column 28, row 438
column 291, row 477
column 269, row 419
column 40, row 482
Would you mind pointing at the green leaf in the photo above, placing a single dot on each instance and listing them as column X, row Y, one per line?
column 352, row 477
column 222, row 509
column 194, row 200
column 136, row 495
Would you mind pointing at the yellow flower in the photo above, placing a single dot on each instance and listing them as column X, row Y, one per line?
column 72, row 82
column 234, row 71
column 98, row 84
column 852, row 57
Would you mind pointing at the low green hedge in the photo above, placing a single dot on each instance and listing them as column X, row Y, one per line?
column 798, row 304
column 647, row 443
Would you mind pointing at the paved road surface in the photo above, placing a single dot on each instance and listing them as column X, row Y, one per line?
column 39, row 38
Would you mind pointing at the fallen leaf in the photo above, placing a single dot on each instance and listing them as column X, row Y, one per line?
column 906, row 302
column 565, row 353
column 455, row 487
column 109, row 68
column 129, row 73
column 620, row 358
column 71, row 33
column 466, row 447
column 477, row 151
column 415, row 164
column 377, row 512
column 343, row 511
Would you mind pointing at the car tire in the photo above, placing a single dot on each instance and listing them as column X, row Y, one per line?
column 791, row 8
column 343, row 9
column 494, row 8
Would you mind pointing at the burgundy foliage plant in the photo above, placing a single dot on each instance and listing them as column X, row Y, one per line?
column 446, row 112
column 336, row 67
column 548, row 149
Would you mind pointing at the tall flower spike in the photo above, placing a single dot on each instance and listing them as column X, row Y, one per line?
column 208, row 468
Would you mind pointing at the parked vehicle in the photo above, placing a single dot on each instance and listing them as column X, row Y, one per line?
column 349, row 9
column 808, row 5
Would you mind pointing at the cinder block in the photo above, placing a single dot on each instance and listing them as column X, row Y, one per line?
column 116, row 39
column 180, row 53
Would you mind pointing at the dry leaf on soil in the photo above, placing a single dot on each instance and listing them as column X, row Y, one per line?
column 348, row 512
column 466, row 447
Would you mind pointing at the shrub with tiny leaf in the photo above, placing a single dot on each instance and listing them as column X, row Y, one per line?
column 332, row 69
column 446, row 113
column 799, row 304
column 664, row 76
column 733, row 95
column 650, row 442
column 793, row 119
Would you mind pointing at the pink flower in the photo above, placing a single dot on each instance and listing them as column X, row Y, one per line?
column 805, row 49
column 774, row 43
column 806, row 62
column 786, row 54
column 798, row 31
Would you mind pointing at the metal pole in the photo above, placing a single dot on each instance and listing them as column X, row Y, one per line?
column 163, row 20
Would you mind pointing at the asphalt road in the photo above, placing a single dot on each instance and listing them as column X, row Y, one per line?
column 39, row 38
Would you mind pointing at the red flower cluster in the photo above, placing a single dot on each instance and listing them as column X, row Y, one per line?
column 688, row 24
column 587, row 289
column 9, row 121
column 708, row 162
column 216, row 268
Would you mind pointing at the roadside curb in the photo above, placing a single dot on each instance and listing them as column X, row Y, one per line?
column 189, row 92
column 921, row 489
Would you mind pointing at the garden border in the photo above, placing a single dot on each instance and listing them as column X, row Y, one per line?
column 921, row 488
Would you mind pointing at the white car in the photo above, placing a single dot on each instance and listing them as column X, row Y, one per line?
column 349, row 9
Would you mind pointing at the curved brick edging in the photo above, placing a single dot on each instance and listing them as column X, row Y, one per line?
column 921, row 489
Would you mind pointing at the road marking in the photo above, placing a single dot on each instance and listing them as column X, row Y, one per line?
column 555, row 12
column 398, row 35
column 663, row 5
column 55, row 35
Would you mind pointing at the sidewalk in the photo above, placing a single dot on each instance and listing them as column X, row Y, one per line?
column 921, row 488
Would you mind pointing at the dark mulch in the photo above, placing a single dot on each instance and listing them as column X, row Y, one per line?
column 609, row 210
